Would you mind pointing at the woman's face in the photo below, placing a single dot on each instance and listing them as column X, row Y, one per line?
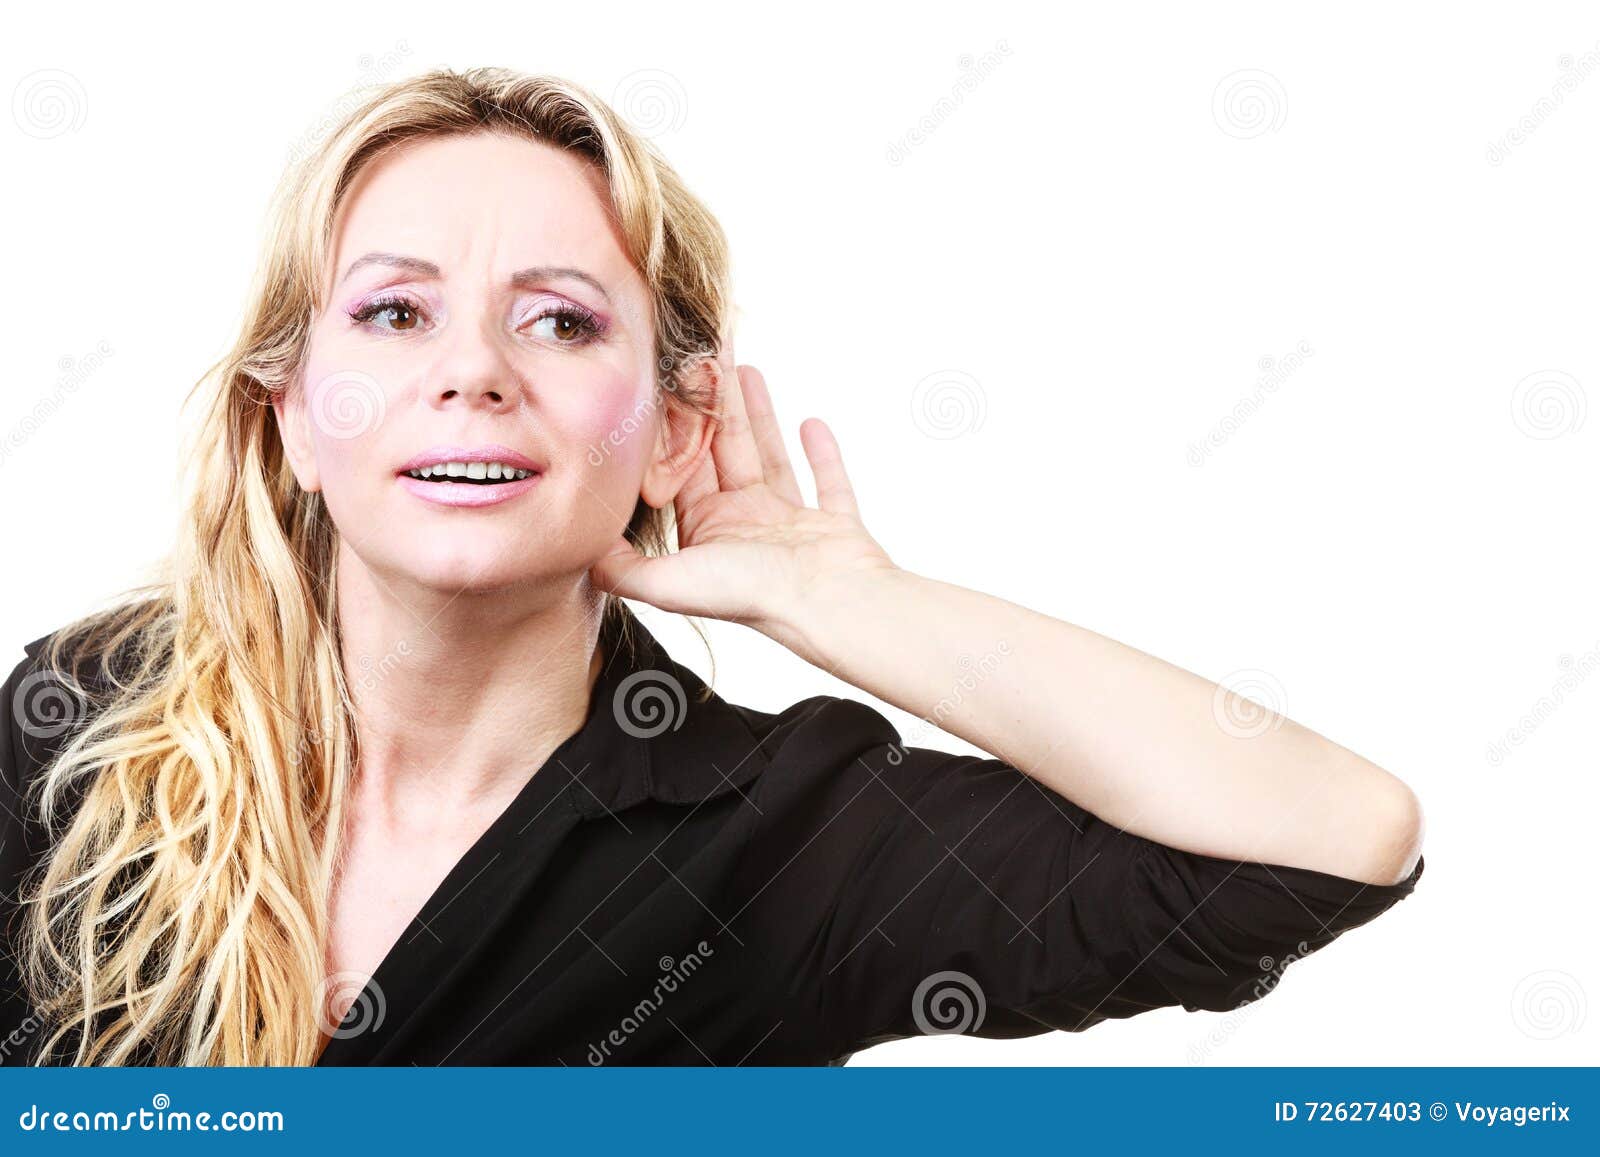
column 482, row 310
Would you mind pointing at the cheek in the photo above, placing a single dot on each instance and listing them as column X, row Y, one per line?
column 347, row 410
column 346, row 469
column 612, row 425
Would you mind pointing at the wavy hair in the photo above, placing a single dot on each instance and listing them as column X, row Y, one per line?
column 181, row 915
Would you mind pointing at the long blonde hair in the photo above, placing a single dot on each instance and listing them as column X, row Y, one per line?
column 181, row 913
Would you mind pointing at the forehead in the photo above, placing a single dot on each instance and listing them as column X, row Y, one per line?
column 483, row 201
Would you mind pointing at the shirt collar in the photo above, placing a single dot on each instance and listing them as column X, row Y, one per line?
column 655, row 732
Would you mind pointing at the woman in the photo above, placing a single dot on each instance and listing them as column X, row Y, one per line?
column 385, row 772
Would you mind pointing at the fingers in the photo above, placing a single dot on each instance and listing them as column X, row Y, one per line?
column 768, row 436
column 834, row 493
column 624, row 572
column 614, row 565
column 734, row 448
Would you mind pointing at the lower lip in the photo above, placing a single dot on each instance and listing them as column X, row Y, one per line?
column 468, row 493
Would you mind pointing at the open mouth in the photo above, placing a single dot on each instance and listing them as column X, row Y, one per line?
column 470, row 473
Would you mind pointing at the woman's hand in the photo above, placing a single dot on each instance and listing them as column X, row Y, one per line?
column 1140, row 743
column 749, row 548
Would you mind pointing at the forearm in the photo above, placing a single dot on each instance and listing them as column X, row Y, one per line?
column 1133, row 739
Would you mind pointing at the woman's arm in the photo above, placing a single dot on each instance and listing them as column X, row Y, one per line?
column 1141, row 744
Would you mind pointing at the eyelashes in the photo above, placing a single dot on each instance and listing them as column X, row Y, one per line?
column 585, row 326
column 572, row 325
column 383, row 303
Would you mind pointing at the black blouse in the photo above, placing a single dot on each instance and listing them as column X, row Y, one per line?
column 695, row 883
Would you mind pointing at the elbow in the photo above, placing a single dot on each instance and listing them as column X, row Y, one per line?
column 1398, row 827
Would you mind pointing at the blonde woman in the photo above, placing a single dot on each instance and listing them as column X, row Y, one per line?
column 385, row 772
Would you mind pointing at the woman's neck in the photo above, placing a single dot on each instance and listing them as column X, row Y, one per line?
column 460, row 697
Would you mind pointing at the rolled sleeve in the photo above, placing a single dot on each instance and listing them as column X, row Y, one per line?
column 984, row 902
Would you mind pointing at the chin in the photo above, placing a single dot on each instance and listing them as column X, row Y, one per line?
column 470, row 575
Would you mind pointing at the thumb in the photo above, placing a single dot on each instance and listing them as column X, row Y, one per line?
column 612, row 571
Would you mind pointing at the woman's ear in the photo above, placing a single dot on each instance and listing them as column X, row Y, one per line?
column 289, row 408
column 684, row 435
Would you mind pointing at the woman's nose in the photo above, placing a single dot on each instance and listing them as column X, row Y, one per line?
column 477, row 392
column 474, row 370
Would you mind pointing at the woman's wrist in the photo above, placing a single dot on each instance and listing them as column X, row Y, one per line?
column 822, row 620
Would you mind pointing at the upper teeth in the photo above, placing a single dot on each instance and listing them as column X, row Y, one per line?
column 469, row 470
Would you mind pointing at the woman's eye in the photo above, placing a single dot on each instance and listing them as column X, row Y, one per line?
column 566, row 325
column 561, row 324
column 404, row 316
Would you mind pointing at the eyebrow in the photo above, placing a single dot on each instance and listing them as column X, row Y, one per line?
column 521, row 279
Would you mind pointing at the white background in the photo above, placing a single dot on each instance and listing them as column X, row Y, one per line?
column 1093, row 250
